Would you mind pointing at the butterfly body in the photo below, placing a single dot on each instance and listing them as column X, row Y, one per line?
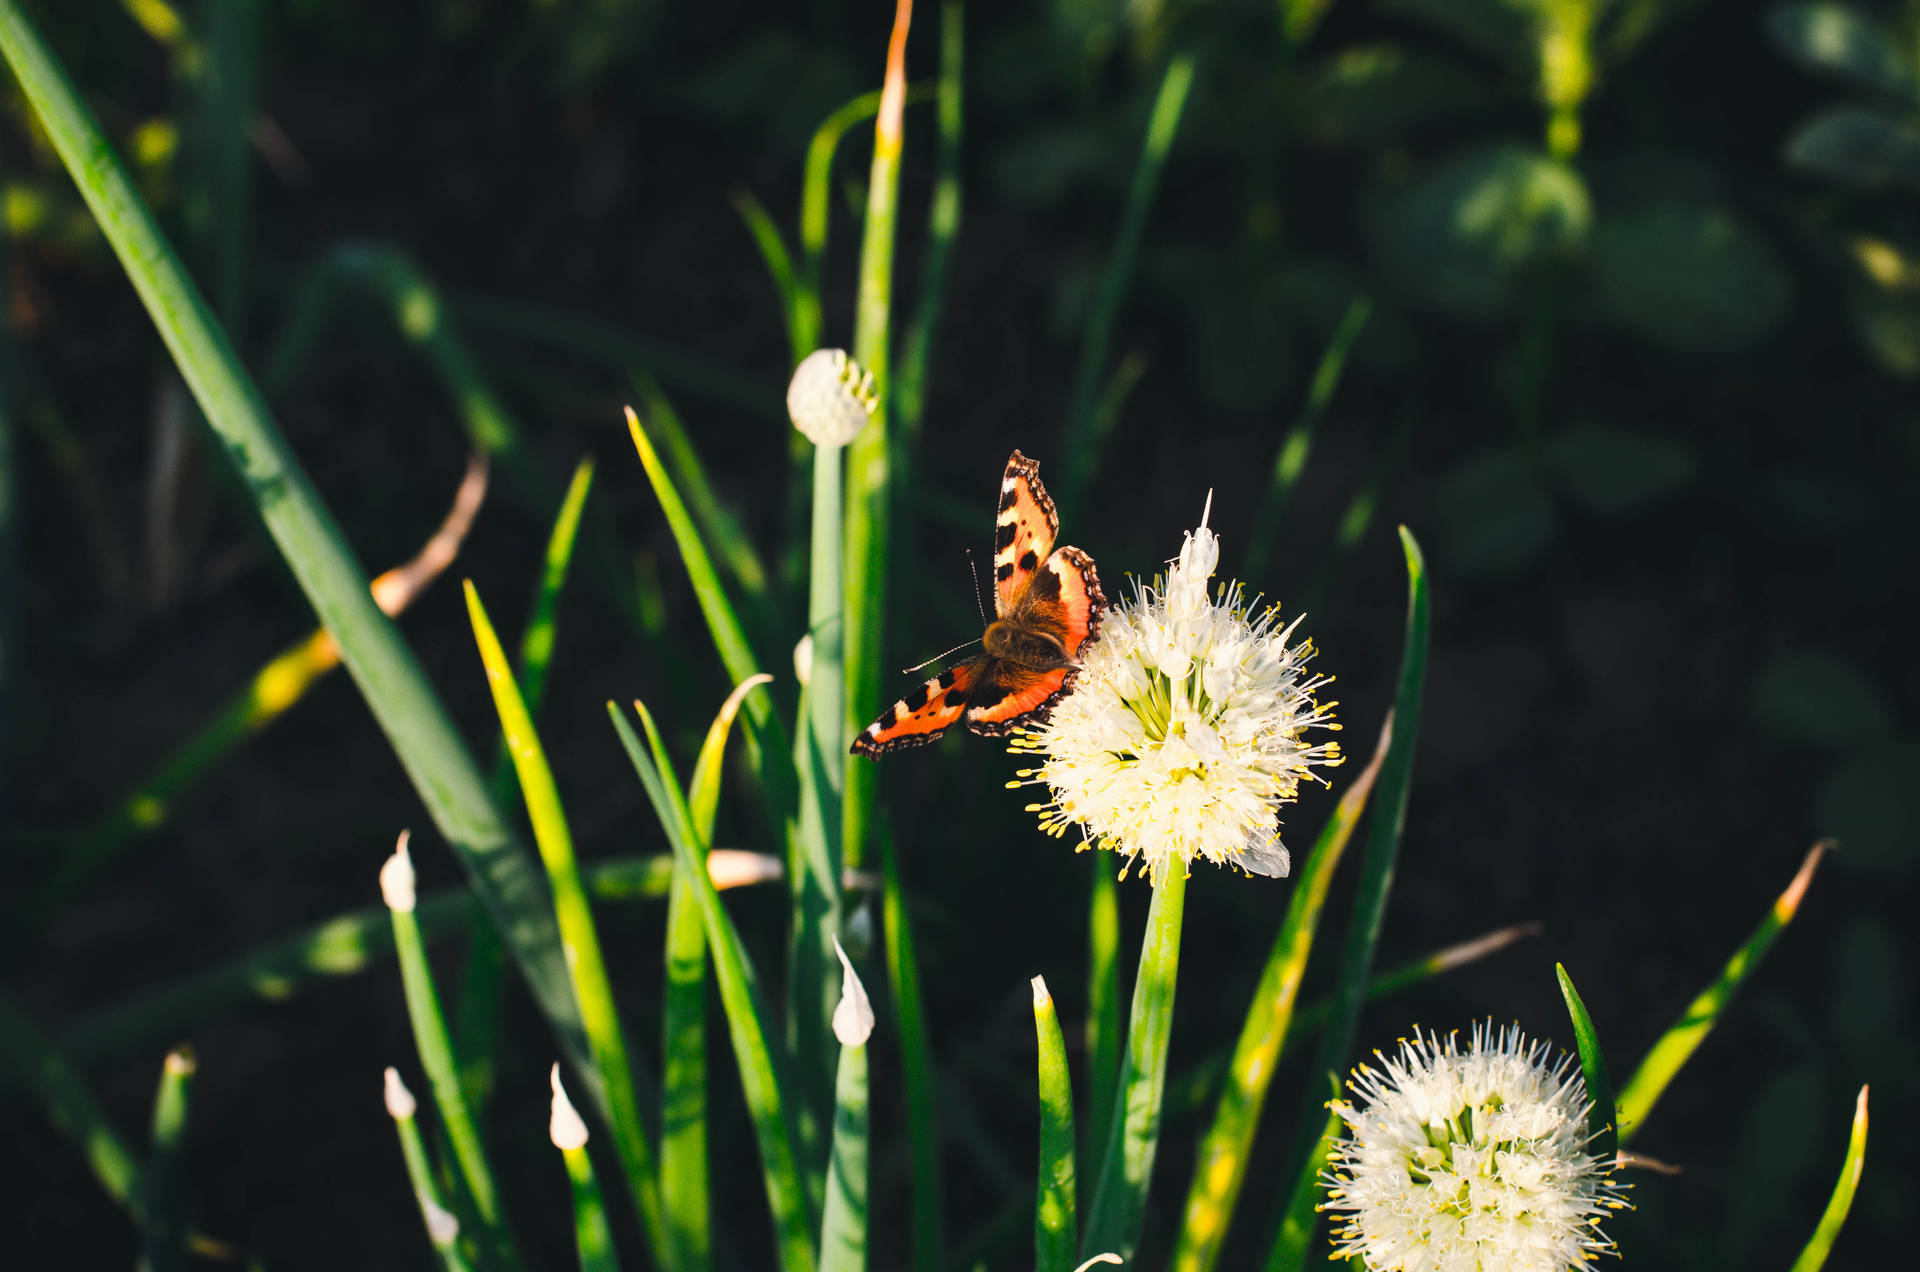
column 1047, row 605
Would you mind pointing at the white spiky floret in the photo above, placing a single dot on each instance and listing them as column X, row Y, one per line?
column 1184, row 733
column 1469, row 1160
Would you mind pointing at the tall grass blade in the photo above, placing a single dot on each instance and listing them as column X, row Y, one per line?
column 916, row 1064
column 1290, row 461
column 1677, row 1045
column 943, row 225
column 164, row 1235
column 1221, row 1168
column 1814, row 1256
column 1301, row 1219
column 1055, row 1229
column 63, row 1095
column 434, row 1044
column 871, row 454
column 684, row 1189
column 748, row 1020
column 778, row 260
column 611, row 1068
column 1602, row 1125
column 592, row 1234
column 1103, row 1012
column 1382, row 843
column 1113, row 1223
column 816, row 202
column 769, row 751
column 384, row 668
column 1078, row 445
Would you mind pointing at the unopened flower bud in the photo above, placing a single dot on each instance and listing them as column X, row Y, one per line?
column 396, row 878
column 853, row 1018
column 565, row 1127
column 400, row 1102
column 831, row 397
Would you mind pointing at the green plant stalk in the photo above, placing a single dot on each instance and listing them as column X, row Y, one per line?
column 871, row 453
column 1813, row 1256
column 1601, row 1125
column 1677, row 1045
column 1055, row 1234
column 345, row 945
column 1078, row 445
column 719, row 527
column 812, row 980
column 1382, row 845
column 435, row 1047
column 843, row 1222
column 816, row 200
column 1290, row 461
column 916, row 1064
column 769, row 751
column 538, row 637
column 477, row 1014
column 426, row 1189
column 612, row 1068
column 759, row 1064
column 1301, row 1218
column 164, row 1235
column 1103, row 1010
column 778, row 260
column 684, row 1191
column 62, row 1094
column 1221, row 1167
column 1113, row 1224
column 943, row 228
column 384, row 668
column 592, row 1235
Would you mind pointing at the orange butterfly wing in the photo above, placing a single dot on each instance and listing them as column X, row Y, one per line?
column 922, row 715
column 1023, row 531
column 1063, row 600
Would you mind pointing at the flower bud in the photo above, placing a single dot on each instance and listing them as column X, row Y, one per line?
column 831, row 397
column 396, row 878
column 400, row 1102
column 565, row 1127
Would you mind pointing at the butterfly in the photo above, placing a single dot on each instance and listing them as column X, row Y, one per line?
column 1047, row 604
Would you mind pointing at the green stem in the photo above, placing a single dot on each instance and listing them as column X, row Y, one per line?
column 1119, row 1203
column 916, row 1062
column 1103, row 1008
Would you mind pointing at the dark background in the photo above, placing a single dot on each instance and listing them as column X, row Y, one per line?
column 1652, row 422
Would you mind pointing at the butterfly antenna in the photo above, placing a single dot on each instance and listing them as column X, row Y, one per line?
column 977, row 602
column 908, row 671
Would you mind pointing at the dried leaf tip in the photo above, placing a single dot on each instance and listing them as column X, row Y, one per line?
column 565, row 1127
column 396, row 877
column 853, row 1017
column 1041, row 997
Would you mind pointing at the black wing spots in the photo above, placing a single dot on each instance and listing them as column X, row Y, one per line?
column 1003, row 536
column 888, row 720
column 954, row 700
column 1004, row 573
column 1029, row 562
column 912, row 703
column 1044, row 586
column 1009, row 496
column 948, row 676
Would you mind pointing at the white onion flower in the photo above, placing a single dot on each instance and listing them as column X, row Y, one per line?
column 1184, row 731
column 831, row 397
column 1465, row 1160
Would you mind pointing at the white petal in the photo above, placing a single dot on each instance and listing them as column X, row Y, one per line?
column 400, row 1102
